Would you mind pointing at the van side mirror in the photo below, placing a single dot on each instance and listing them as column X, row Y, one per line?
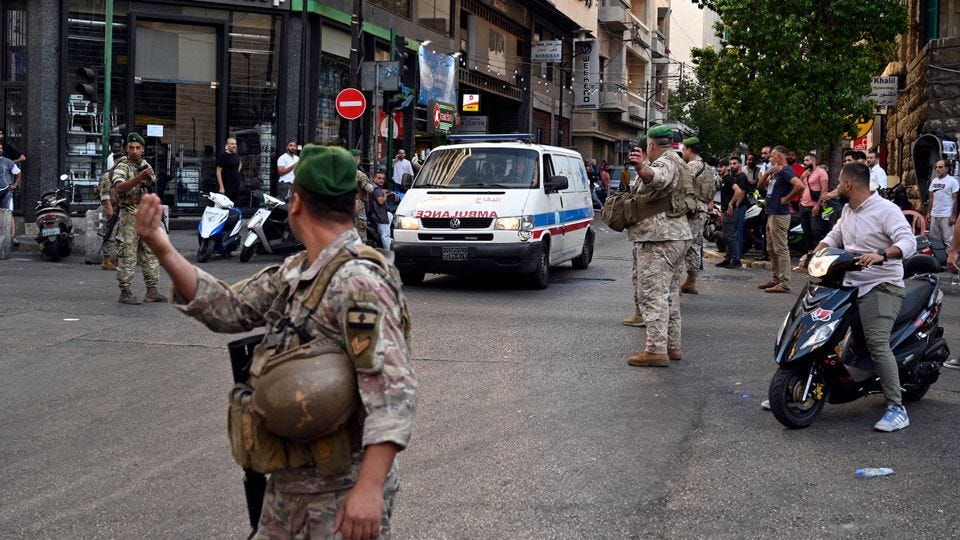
column 407, row 180
column 556, row 183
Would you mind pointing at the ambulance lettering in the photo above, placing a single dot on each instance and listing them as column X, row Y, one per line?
column 457, row 213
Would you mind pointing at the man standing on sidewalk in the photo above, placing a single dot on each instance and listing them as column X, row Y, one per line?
column 782, row 185
column 733, row 197
column 128, row 179
column 942, row 204
column 815, row 183
column 659, row 244
column 285, row 167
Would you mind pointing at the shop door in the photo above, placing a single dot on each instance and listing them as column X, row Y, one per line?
column 177, row 99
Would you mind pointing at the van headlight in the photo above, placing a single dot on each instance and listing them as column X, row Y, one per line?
column 408, row 223
column 523, row 223
column 822, row 334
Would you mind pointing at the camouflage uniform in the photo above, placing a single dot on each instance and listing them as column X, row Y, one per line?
column 360, row 219
column 302, row 503
column 130, row 248
column 659, row 244
column 108, row 193
column 698, row 220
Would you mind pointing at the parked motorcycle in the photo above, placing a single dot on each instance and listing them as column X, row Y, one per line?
column 713, row 228
column 934, row 248
column 820, row 350
column 219, row 227
column 269, row 231
column 54, row 226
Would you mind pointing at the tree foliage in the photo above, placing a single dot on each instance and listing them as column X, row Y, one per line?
column 796, row 72
column 691, row 104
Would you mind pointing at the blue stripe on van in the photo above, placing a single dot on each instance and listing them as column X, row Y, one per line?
column 550, row 218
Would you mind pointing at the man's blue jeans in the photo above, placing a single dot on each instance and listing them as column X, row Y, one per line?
column 741, row 218
column 733, row 232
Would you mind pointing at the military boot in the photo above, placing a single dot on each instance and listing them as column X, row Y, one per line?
column 126, row 297
column 154, row 296
column 674, row 353
column 649, row 359
column 690, row 285
column 636, row 319
column 107, row 264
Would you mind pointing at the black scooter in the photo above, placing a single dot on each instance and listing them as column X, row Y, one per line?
column 269, row 231
column 54, row 225
column 820, row 350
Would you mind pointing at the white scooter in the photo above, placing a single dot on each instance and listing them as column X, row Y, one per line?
column 216, row 221
column 269, row 231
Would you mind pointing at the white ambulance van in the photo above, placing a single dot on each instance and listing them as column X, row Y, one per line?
column 495, row 204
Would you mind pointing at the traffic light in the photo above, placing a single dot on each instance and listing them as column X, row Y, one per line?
column 87, row 83
column 400, row 54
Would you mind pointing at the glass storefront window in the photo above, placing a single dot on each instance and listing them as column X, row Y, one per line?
column 434, row 14
column 334, row 76
column 400, row 7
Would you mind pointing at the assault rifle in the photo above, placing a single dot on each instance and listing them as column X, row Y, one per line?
column 254, row 483
column 108, row 232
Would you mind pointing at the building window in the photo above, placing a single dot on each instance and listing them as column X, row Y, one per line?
column 434, row 14
column 334, row 76
column 400, row 7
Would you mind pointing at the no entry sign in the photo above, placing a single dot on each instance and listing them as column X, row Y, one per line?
column 351, row 104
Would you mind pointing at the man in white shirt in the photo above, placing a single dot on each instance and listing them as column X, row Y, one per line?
column 401, row 166
column 878, row 176
column 942, row 204
column 286, row 164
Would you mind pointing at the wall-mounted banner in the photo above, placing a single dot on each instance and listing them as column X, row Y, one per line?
column 471, row 103
column 491, row 50
column 547, row 51
column 438, row 77
column 587, row 72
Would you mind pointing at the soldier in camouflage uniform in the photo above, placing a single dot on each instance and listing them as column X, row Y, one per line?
column 108, row 209
column 636, row 319
column 700, row 173
column 659, row 244
column 128, row 179
column 307, row 502
column 364, row 186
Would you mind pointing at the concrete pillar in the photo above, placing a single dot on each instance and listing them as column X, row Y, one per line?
column 91, row 237
column 6, row 232
column 42, row 146
column 292, row 83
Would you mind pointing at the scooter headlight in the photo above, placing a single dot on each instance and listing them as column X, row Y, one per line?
column 820, row 265
column 821, row 335
column 407, row 223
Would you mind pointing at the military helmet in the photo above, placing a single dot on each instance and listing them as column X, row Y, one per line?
column 306, row 398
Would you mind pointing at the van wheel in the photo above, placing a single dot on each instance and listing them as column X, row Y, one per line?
column 583, row 260
column 411, row 279
column 540, row 277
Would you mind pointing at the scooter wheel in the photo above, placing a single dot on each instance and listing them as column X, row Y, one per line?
column 246, row 253
column 205, row 250
column 786, row 397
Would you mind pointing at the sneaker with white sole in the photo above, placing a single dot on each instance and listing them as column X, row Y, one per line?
column 765, row 404
column 894, row 418
column 953, row 363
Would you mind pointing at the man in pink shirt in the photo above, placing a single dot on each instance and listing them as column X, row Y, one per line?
column 814, row 186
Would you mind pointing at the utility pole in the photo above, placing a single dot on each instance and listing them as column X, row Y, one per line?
column 356, row 55
column 389, row 156
column 107, row 79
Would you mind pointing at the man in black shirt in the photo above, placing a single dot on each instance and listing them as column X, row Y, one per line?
column 228, row 172
column 733, row 195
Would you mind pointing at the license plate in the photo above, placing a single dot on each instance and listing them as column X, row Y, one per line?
column 454, row 254
column 50, row 231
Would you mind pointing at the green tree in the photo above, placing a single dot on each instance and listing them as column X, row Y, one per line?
column 691, row 104
column 796, row 72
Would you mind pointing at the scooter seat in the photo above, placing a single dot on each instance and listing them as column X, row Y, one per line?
column 914, row 300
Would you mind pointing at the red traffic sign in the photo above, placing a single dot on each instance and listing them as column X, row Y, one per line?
column 351, row 104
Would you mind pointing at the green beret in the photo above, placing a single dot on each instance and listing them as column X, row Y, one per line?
column 135, row 137
column 354, row 151
column 641, row 141
column 326, row 170
column 660, row 132
column 692, row 141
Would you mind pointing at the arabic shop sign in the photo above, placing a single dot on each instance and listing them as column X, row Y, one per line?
column 883, row 91
column 441, row 117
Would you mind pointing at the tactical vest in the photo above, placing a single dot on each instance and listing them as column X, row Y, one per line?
column 625, row 209
column 132, row 196
column 300, row 406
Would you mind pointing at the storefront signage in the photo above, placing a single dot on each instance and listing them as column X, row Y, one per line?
column 441, row 117
column 473, row 124
column 883, row 91
column 587, row 72
column 154, row 130
column 547, row 51
column 385, row 127
column 471, row 102
column 438, row 77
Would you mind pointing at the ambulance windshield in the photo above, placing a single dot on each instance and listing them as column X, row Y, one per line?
column 468, row 168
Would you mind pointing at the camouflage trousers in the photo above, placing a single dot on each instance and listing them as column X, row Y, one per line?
column 130, row 251
column 312, row 515
column 360, row 220
column 692, row 258
column 657, row 269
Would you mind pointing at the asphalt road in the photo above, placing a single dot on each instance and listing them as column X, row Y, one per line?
column 530, row 424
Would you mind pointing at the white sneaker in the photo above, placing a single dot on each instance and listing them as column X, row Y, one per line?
column 765, row 404
column 894, row 418
column 952, row 364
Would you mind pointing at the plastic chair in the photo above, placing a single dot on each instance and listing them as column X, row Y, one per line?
column 917, row 222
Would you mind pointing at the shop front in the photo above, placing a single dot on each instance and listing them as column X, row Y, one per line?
column 186, row 78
